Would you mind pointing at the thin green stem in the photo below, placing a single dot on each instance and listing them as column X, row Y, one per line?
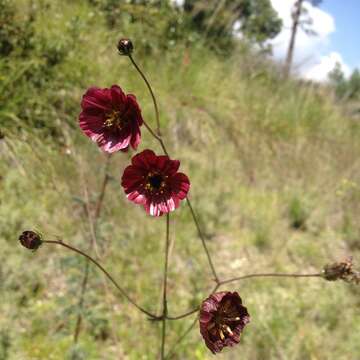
column 159, row 139
column 249, row 276
column 202, row 238
column 193, row 311
column 81, row 301
column 151, row 92
column 98, row 265
column 162, row 144
column 165, row 309
column 180, row 339
column 92, row 221
column 244, row 277
column 100, row 201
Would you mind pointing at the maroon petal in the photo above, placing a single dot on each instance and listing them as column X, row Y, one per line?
column 91, row 125
column 111, row 118
column 131, row 99
column 135, row 138
column 137, row 198
column 118, row 97
column 96, row 98
column 153, row 209
column 145, row 159
column 180, row 185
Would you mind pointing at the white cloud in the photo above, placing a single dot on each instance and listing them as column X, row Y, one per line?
column 179, row 2
column 320, row 71
column 310, row 60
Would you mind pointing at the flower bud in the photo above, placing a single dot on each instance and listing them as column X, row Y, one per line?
column 30, row 239
column 125, row 47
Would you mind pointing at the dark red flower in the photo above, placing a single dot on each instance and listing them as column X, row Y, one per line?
column 154, row 182
column 30, row 239
column 222, row 319
column 111, row 118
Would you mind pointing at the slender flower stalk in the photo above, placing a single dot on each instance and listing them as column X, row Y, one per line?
column 93, row 228
column 162, row 144
column 81, row 301
column 202, row 238
column 180, row 339
column 107, row 274
column 165, row 309
column 269, row 275
column 103, row 189
column 244, row 277
column 151, row 93
column 158, row 138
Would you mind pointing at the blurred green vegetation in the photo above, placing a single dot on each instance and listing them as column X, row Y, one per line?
column 275, row 181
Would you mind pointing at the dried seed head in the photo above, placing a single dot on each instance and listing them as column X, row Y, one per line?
column 30, row 239
column 342, row 270
column 125, row 47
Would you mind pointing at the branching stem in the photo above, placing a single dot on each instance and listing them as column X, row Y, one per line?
column 202, row 238
column 249, row 276
column 151, row 92
column 98, row 265
column 162, row 144
column 244, row 277
column 92, row 226
column 218, row 282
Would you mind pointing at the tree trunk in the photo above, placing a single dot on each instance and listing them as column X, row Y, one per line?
column 290, row 52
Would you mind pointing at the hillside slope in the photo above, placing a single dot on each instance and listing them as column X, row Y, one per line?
column 274, row 168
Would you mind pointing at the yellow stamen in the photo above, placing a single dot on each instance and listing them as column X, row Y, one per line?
column 228, row 330
column 114, row 120
column 232, row 319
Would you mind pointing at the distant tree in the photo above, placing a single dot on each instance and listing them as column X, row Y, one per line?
column 217, row 19
column 300, row 18
column 354, row 85
column 261, row 21
column 345, row 89
column 338, row 81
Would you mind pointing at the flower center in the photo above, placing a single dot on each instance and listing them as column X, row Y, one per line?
column 226, row 317
column 156, row 181
column 115, row 121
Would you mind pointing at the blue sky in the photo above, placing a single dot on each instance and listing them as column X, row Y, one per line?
column 345, row 39
column 337, row 24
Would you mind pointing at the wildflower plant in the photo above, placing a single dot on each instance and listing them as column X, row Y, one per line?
column 112, row 120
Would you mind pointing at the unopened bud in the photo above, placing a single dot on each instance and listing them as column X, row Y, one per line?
column 30, row 239
column 125, row 47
